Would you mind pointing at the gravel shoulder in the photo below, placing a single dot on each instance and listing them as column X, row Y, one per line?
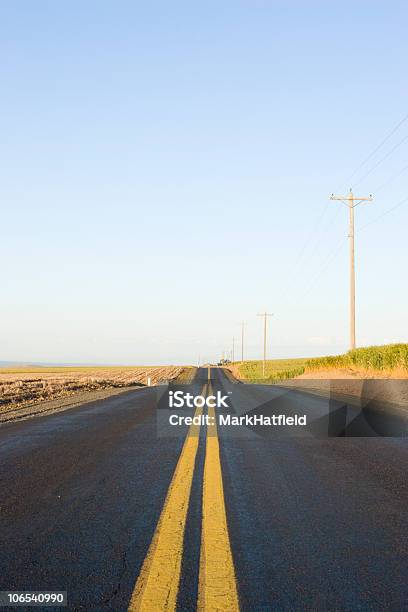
column 60, row 404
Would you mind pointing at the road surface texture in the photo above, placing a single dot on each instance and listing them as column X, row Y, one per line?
column 107, row 503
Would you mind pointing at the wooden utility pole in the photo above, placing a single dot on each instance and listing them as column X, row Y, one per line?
column 265, row 316
column 351, row 201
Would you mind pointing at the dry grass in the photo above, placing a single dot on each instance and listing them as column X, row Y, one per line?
column 25, row 386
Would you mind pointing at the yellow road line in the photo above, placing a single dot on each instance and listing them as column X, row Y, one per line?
column 158, row 582
column 217, row 588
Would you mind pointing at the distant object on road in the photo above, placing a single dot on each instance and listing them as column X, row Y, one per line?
column 224, row 362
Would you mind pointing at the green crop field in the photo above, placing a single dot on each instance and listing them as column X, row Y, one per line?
column 275, row 369
column 386, row 357
column 392, row 358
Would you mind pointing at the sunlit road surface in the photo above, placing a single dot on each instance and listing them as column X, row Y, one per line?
column 96, row 501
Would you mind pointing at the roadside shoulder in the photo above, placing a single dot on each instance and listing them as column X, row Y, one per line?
column 62, row 403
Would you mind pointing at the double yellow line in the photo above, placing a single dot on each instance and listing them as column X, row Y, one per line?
column 157, row 586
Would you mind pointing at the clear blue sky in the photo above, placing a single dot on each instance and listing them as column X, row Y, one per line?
column 162, row 165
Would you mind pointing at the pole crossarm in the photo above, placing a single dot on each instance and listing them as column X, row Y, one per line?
column 351, row 200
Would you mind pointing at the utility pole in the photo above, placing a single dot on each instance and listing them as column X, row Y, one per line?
column 351, row 202
column 242, row 341
column 265, row 316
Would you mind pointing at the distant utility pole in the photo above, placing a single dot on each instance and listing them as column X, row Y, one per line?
column 351, row 201
column 233, row 349
column 265, row 316
column 242, row 341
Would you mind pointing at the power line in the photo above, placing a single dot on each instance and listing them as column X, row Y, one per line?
column 386, row 212
column 381, row 160
column 316, row 226
column 292, row 268
column 332, row 256
column 313, row 234
column 377, row 148
column 336, row 251
column 391, row 179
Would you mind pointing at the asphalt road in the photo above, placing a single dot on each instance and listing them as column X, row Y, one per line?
column 313, row 522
